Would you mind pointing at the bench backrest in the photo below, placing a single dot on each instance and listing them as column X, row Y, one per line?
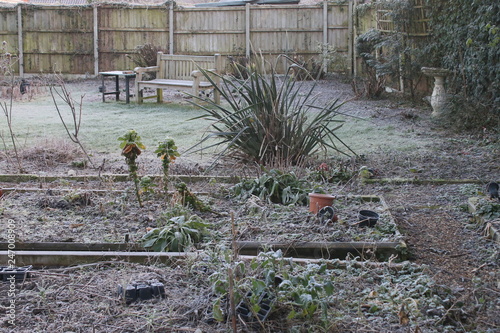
column 180, row 67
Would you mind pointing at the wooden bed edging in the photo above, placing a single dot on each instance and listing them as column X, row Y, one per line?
column 15, row 178
column 325, row 250
column 418, row 181
column 43, row 259
column 70, row 246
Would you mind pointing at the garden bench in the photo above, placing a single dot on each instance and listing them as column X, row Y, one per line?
column 179, row 72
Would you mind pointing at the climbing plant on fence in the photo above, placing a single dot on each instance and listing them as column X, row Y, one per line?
column 466, row 37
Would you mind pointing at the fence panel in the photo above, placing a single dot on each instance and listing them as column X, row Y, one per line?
column 291, row 30
column 8, row 34
column 339, row 38
column 206, row 31
column 122, row 29
column 57, row 39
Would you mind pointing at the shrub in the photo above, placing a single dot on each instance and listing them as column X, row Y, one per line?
column 145, row 55
column 270, row 121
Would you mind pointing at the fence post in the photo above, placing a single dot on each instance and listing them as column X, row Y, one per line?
column 247, row 31
column 325, row 35
column 355, row 23
column 171, row 28
column 350, row 44
column 20, row 39
column 96, row 40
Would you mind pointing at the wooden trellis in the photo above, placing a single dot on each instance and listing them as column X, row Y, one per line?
column 418, row 21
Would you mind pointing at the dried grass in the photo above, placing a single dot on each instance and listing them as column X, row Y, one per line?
column 50, row 152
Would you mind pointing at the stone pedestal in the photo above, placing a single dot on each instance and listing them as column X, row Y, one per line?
column 439, row 99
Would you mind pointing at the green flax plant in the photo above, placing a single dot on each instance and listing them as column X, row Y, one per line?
column 271, row 120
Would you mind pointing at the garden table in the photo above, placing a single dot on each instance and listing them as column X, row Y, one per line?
column 127, row 75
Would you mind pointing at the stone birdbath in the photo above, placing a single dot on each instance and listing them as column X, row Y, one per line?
column 439, row 99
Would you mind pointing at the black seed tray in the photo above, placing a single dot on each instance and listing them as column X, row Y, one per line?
column 142, row 291
column 19, row 273
column 265, row 304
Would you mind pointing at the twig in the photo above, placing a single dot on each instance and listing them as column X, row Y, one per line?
column 477, row 269
column 90, row 265
column 65, row 95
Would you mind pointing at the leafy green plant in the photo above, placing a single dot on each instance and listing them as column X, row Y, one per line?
column 131, row 146
column 488, row 209
column 300, row 291
column 146, row 185
column 275, row 186
column 271, row 121
column 177, row 235
column 167, row 152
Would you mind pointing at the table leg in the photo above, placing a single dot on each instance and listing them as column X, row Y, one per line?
column 117, row 89
column 103, row 89
column 127, row 89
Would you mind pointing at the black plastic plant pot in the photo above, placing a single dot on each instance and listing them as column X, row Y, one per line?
column 367, row 218
column 130, row 294
column 158, row 289
column 326, row 214
column 492, row 189
column 144, row 292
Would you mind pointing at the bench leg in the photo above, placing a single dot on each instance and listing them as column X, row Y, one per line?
column 196, row 91
column 159, row 95
column 216, row 96
column 139, row 96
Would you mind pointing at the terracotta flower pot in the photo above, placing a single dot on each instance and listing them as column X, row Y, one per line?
column 318, row 201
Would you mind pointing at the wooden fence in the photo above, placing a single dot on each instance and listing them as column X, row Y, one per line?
column 88, row 39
